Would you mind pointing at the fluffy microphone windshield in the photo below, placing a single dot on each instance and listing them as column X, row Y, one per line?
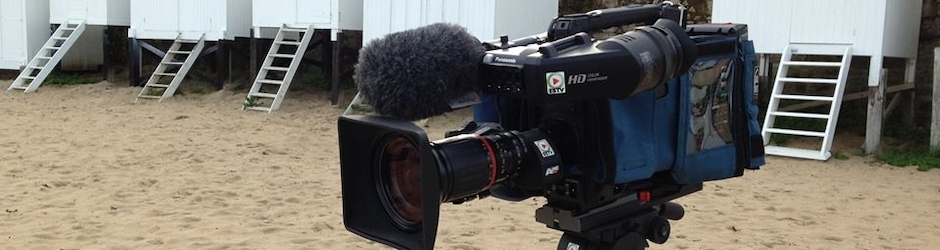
column 415, row 74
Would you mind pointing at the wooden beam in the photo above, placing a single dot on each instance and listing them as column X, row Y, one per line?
column 875, row 115
column 935, row 113
column 893, row 104
column 848, row 97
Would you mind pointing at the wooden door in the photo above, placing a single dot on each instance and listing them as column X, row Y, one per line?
column 12, row 29
column 314, row 11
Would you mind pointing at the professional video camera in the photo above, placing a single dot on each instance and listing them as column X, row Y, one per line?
column 608, row 131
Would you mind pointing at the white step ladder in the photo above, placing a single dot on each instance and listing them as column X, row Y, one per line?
column 353, row 105
column 174, row 66
column 835, row 100
column 274, row 74
column 48, row 57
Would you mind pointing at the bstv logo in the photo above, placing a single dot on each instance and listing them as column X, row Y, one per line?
column 555, row 82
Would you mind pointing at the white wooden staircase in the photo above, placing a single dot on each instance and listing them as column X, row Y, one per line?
column 172, row 70
column 835, row 100
column 48, row 57
column 356, row 101
column 268, row 90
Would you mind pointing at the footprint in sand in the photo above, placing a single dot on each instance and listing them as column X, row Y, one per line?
column 302, row 241
column 469, row 233
column 322, row 226
column 45, row 236
column 466, row 247
column 761, row 198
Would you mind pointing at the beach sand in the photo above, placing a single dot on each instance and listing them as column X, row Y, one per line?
column 85, row 167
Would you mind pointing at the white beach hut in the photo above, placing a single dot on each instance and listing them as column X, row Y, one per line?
column 190, row 24
column 73, row 18
column 869, row 28
column 92, row 12
column 485, row 19
column 292, row 23
column 88, row 52
column 24, row 26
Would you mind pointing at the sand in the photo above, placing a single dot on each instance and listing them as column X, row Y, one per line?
column 84, row 167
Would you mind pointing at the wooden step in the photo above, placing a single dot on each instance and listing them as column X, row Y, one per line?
column 258, row 108
column 263, row 95
column 285, row 69
column 813, row 64
column 806, row 98
column 293, row 30
column 269, row 81
column 800, row 115
column 795, row 132
column 288, row 43
column 282, row 55
column 157, row 85
column 808, row 80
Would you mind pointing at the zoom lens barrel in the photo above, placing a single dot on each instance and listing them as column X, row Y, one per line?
column 470, row 163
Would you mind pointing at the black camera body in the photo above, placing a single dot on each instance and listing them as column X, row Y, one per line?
column 600, row 128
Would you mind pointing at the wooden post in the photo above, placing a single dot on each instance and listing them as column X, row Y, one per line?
column 134, row 61
column 337, row 69
column 765, row 83
column 221, row 60
column 253, row 56
column 106, row 45
column 909, row 97
column 875, row 114
column 935, row 113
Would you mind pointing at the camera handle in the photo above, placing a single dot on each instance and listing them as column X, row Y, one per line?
column 606, row 18
column 568, row 25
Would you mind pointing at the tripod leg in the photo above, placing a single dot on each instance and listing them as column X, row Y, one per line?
column 633, row 241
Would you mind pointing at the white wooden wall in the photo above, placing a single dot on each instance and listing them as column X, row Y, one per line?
column 874, row 27
column 164, row 19
column 94, row 12
column 24, row 28
column 323, row 14
column 485, row 19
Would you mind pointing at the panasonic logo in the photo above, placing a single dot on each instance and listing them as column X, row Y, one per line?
column 505, row 60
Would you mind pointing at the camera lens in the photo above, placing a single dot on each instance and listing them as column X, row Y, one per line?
column 472, row 163
column 400, row 180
